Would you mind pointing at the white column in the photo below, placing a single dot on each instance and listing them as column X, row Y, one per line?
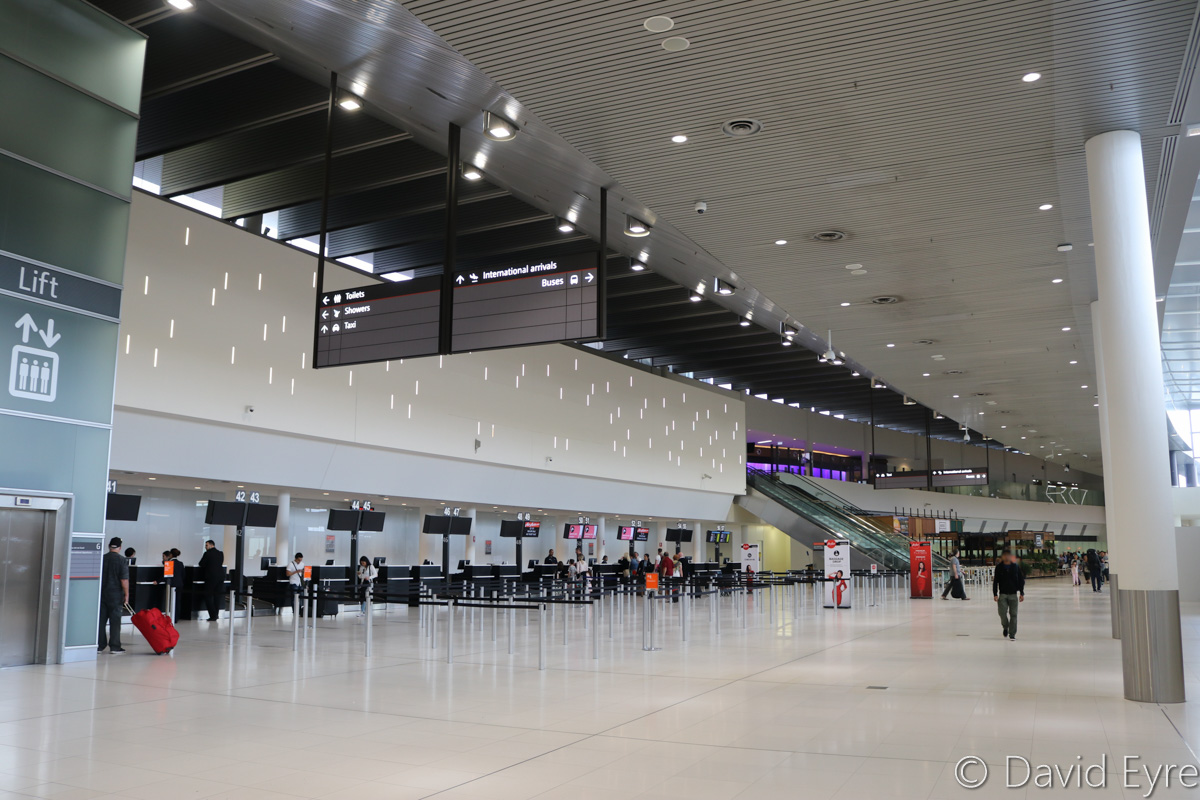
column 1111, row 543
column 469, row 542
column 1138, row 476
column 601, row 538
column 429, row 547
column 283, row 531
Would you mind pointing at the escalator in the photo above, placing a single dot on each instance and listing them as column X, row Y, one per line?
column 810, row 513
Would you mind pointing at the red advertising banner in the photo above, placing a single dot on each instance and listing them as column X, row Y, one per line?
column 920, row 564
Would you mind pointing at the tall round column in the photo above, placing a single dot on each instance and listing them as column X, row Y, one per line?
column 283, row 530
column 1114, row 561
column 1138, row 487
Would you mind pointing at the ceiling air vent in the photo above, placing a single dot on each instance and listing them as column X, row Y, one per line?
column 955, row 372
column 738, row 128
column 886, row 300
column 982, row 394
column 925, row 341
column 829, row 236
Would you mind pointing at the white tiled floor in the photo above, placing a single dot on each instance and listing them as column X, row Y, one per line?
column 768, row 711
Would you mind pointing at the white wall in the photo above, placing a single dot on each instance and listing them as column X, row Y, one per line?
column 216, row 320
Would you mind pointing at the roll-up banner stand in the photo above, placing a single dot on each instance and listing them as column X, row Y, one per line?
column 837, row 573
column 920, row 563
column 749, row 557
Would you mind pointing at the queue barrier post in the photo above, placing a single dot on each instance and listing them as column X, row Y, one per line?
column 541, row 636
column 369, row 619
column 232, row 609
column 249, row 610
column 295, row 619
column 450, row 631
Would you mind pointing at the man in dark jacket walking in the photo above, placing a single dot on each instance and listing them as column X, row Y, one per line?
column 1095, row 570
column 1007, row 583
column 212, row 571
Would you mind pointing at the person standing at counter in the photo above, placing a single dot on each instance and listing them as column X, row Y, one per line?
column 295, row 572
column 550, row 559
column 367, row 574
column 114, row 595
column 212, row 571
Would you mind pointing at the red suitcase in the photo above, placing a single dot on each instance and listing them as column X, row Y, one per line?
column 158, row 630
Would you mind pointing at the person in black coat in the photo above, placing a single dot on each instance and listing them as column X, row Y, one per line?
column 1095, row 570
column 212, row 571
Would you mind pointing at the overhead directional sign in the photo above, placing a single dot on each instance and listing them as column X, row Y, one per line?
column 379, row 322
column 526, row 303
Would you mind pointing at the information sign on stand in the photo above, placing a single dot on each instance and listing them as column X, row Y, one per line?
column 750, row 560
column 837, row 573
column 920, row 564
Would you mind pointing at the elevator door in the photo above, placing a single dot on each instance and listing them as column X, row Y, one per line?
column 22, row 536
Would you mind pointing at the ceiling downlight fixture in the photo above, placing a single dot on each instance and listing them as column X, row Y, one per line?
column 722, row 287
column 1030, row 77
column 679, row 138
column 635, row 227
column 563, row 225
column 349, row 102
column 181, row 5
column 636, row 266
column 470, row 171
column 497, row 128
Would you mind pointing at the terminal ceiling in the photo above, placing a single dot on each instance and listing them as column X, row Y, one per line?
column 907, row 126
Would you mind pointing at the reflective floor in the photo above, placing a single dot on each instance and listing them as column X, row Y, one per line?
column 871, row 702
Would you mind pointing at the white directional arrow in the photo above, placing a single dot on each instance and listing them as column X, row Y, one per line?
column 48, row 335
column 589, row 277
column 27, row 325
column 324, row 329
column 325, row 314
column 459, row 280
column 325, row 300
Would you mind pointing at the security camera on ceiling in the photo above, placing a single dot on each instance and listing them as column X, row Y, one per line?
column 701, row 206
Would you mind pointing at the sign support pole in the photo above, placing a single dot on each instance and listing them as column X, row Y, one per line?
column 323, row 237
column 450, row 256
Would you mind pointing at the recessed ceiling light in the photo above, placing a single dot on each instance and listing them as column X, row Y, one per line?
column 1057, row 280
column 845, row 304
column 1084, row 386
column 745, row 323
column 1073, row 362
column 471, row 172
column 637, row 266
column 154, row 479
column 722, row 287
column 854, row 266
column 659, row 24
column 1022, row 437
column 350, row 103
column 1066, row 328
column 181, row 5
column 695, row 298
column 786, row 342
column 858, row 272
column 564, row 226
column 1064, row 248
column 891, row 345
column 954, row 396
column 1045, row 206
column 1030, row 77
column 197, row 487
column 497, row 128
column 1003, row 427
column 675, row 44
column 924, row 374
column 636, row 228
column 781, row 241
column 679, row 138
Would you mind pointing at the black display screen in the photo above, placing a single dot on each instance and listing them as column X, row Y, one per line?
column 519, row 529
column 122, row 507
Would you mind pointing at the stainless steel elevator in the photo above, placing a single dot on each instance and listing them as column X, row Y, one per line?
column 23, row 543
